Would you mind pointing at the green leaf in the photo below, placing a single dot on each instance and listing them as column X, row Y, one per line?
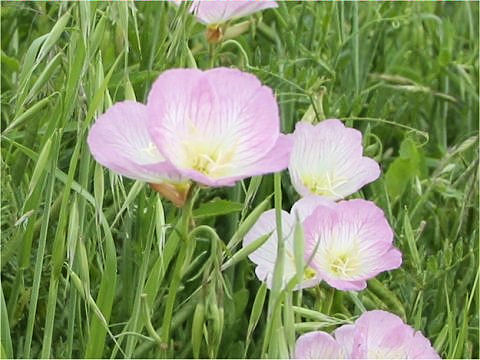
column 6, row 341
column 241, row 300
column 217, row 207
column 408, row 165
column 245, row 251
column 9, row 62
column 248, row 223
column 257, row 309
column 197, row 328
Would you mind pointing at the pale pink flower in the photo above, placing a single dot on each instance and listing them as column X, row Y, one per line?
column 213, row 12
column 349, row 242
column 216, row 126
column 120, row 141
column 375, row 335
column 327, row 160
column 265, row 256
column 318, row 345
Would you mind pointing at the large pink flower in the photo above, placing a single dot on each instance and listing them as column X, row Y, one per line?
column 265, row 256
column 349, row 242
column 216, row 126
column 375, row 335
column 120, row 141
column 327, row 160
column 220, row 11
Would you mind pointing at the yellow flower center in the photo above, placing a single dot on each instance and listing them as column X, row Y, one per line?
column 323, row 185
column 344, row 265
column 210, row 160
column 211, row 157
column 309, row 273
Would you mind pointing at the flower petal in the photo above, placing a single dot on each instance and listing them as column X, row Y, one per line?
column 265, row 256
column 345, row 336
column 317, row 345
column 380, row 334
column 119, row 140
column 208, row 134
column 215, row 12
column 349, row 242
column 276, row 159
column 304, row 207
column 327, row 160
column 421, row 348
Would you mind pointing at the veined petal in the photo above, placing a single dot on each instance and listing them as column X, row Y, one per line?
column 421, row 348
column 119, row 140
column 375, row 335
column 305, row 206
column 345, row 336
column 209, row 135
column 216, row 12
column 276, row 159
column 381, row 335
column 266, row 255
column 327, row 160
column 349, row 242
column 318, row 345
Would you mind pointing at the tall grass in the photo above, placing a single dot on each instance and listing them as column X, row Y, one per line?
column 88, row 257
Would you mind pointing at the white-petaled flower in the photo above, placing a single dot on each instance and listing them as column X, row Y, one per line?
column 265, row 256
column 326, row 160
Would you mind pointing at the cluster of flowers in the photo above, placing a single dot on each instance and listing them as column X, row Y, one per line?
column 219, row 126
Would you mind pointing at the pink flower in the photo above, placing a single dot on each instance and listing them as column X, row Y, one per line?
column 318, row 345
column 327, row 160
column 217, row 12
column 216, row 126
column 119, row 140
column 266, row 255
column 349, row 242
column 375, row 335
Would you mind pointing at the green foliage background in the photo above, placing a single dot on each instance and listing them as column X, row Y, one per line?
column 80, row 245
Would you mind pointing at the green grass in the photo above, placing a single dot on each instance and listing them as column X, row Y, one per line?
column 80, row 245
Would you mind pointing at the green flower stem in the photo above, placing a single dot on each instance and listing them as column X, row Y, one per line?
column 275, row 299
column 179, row 264
column 212, row 53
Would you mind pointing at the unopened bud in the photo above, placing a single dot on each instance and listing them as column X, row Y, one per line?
column 214, row 34
column 176, row 193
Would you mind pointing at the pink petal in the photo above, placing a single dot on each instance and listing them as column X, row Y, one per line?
column 215, row 12
column 345, row 285
column 421, row 348
column 304, row 207
column 208, row 134
column 276, row 159
column 381, row 334
column 327, row 160
column 375, row 335
column 119, row 140
column 351, row 242
column 345, row 336
column 317, row 345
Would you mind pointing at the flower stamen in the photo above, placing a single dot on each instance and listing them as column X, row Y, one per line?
column 324, row 185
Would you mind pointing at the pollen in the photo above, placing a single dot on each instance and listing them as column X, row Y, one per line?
column 323, row 185
column 309, row 273
column 211, row 157
column 343, row 265
column 210, row 160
